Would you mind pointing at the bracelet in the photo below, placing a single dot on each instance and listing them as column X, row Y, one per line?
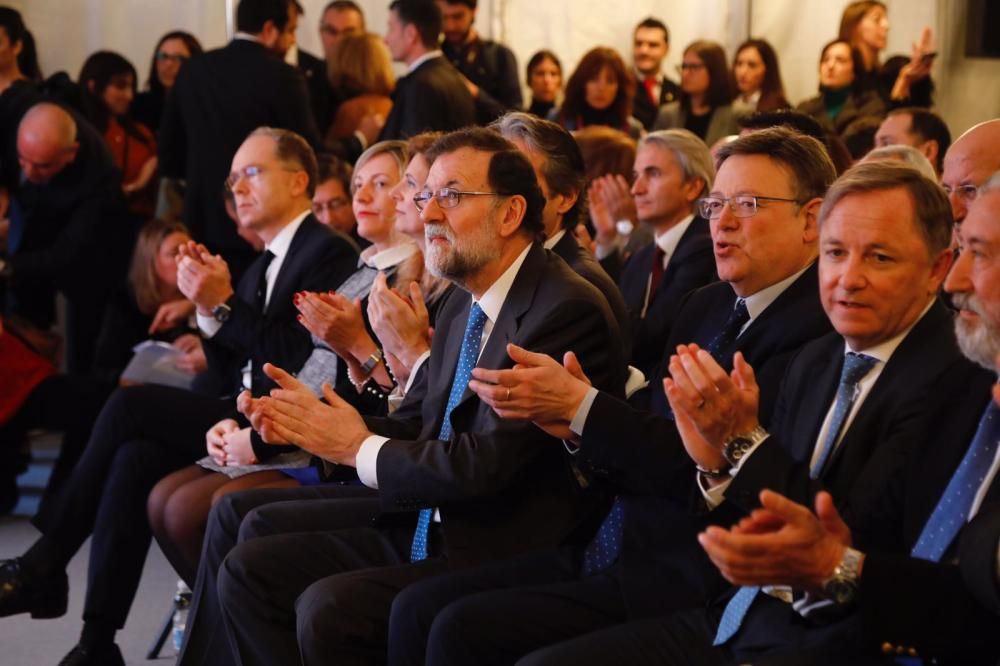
column 713, row 474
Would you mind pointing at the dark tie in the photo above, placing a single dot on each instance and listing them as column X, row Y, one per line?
column 952, row 510
column 856, row 367
column 260, row 296
column 655, row 273
column 466, row 362
column 604, row 548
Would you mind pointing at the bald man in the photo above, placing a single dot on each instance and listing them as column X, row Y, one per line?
column 970, row 161
column 71, row 235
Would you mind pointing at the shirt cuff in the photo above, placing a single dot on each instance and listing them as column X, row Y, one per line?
column 636, row 381
column 582, row 412
column 362, row 139
column 413, row 371
column 208, row 325
column 367, row 459
column 715, row 495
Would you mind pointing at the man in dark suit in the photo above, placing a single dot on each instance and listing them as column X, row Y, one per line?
column 488, row 67
column 313, row 70
column 558, row 166
column 497, row 487
column 639, row 562
column 219, row 98
column 432, row 96
column 923, row 580
column 146, row 432
column 650, row 45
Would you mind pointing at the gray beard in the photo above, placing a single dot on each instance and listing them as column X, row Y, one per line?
column 463, row 259
column 980, row 344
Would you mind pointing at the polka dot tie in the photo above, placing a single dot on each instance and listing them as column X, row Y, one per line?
column 952, row 510
column 466, row 362
column 735, row 611
column 856, row 367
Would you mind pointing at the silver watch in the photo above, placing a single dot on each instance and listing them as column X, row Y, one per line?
column 737, row 446
column 842, row 586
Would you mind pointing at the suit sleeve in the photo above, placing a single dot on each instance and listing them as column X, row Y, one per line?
column 173, row 139
column 482, row 463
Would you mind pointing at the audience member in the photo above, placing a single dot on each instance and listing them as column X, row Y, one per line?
column 673, row 170
column 340, row 18
column 313, row 69
column 901, row 81
column 17, row 94
column 171, row 52
column 492, row 479
column 908, row 155
column 489, row 67
column 205, row 121
column 107, row 82
column 803, row 124
column 920, row 128
column 146, row 432
column 361, row 75
column 650, row 45
column 767, row 259
column 859, row 136
column 969, row 162
column 545, row 79
column 433, row 95
column 704, row 106
column 758, row 78
column 332, row 201
column 600, row 91
column 842, row 98
column 27, row 59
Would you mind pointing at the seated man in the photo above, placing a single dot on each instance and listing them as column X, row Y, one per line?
column 457, row 484
column 768, row 307
column 923, row 580
column 146, row 432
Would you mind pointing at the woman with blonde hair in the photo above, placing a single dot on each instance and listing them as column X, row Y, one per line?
column 361, row 74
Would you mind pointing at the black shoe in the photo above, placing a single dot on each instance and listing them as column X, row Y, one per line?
column 21, row 592
column 85, row 656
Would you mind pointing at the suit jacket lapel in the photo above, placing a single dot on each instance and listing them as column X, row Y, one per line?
column 281, row 291
column 821, row 394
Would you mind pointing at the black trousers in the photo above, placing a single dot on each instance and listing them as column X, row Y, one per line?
column 142, row 434
column 320, row 598
column 250, row 514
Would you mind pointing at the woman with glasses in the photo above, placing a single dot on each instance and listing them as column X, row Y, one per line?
column 705, row 104
column 842, row 98
column 171, row 52
column 757, row 78
column 599, row 92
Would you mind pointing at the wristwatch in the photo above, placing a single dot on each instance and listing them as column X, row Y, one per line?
column 737, row 446
column 842, row 586
column 221, row 313
column 373, row 360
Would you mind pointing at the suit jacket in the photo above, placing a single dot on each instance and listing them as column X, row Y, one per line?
column 219, row 98
column 431, row 97
column 586, row 266
column 493, row 67
column 318, row 259
column 502, row 486
column 859, row 104
column 639, row 452
column 321, row 98
column 691, row 266
column 722, row 124
column 643, row 108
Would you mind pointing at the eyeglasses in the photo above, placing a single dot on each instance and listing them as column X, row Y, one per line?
column 250, row 172
column 163, row 56
column 690, row 66
column 967, row 193
column 742, row 205
column 331, row 205
column 448, row 197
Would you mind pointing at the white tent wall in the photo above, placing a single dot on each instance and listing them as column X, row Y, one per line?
column 968, row 89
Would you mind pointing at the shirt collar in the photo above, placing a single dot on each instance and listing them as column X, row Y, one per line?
column 757, row 303
column 668, row 240
column 279, row 244
column 493, row 299
column 247, row 37
column 422, row 59
column 884, row 350
column 554, row 240
column 292, row 55
column 393, row 256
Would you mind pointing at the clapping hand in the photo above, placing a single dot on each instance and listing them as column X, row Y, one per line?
column 203, row 277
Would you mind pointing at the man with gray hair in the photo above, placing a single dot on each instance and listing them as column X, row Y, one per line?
column 673, row 169
column 919, row 576
column 907, row 155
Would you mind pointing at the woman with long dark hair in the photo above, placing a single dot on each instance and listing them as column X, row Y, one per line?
column 705, row 104
column 107, row 87
column 599, row 92
column 843, row 97
column 171, row 52
column 545, row 79
column 757, row 78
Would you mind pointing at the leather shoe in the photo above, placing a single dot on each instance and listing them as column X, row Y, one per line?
column 87, row 656
column 21, row 592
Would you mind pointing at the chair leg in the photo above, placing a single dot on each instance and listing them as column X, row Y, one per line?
column 161, row 638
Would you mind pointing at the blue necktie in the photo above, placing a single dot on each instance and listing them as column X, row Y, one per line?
column 466, row 362
column 952, row 510
column 606, row 545
column 856, row 367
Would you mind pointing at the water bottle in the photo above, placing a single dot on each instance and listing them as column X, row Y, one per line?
column 182, row 603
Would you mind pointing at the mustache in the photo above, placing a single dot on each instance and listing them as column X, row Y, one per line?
column 967, row 302
column 432, row 231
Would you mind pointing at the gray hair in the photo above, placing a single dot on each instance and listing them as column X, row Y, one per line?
column 992, row 184
column 908, row 155
column 691, row 154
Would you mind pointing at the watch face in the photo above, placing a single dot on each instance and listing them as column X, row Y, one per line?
column 840, row 590
column 221, row 313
